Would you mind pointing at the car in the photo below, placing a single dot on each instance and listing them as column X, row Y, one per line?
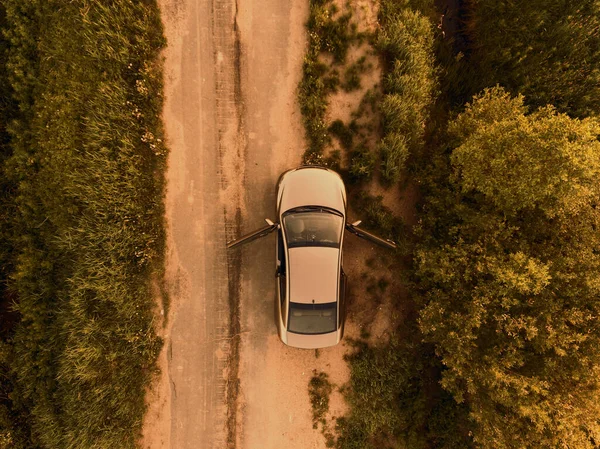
column 311, row 283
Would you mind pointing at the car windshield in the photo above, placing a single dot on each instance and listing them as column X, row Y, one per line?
column 313, row 227
column 312, row 318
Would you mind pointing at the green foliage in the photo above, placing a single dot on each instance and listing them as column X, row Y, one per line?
column 508, row 273
column 518, row 161
column 312, row 96
column 329, row 31
column 86, row 160
column 394, row 153
column 547, row 50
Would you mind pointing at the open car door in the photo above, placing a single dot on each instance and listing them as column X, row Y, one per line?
column 353, row 228
column 262, row 232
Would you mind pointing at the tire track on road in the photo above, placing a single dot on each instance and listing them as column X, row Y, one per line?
column 232, row 152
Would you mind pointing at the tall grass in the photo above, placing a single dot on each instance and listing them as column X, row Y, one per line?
column 88, row 160
column 406, row 40
column 546, row 50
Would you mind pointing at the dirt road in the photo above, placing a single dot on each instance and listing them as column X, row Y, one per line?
column 232, row 126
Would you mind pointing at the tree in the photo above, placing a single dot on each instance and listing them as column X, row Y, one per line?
column 510, row 288
column 518, row 161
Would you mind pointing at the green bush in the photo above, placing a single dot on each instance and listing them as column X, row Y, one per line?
column 329, row 34
column 518, row 160
column 389, row 395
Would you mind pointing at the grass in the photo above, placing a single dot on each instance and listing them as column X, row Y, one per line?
column 86, row 158
column 406, row 40
column 393, row 152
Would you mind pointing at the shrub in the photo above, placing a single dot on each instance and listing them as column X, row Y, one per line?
column 543, row 159
column 389, row 395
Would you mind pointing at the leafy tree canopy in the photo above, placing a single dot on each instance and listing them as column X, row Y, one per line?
column 518, row 160
column 509, row 272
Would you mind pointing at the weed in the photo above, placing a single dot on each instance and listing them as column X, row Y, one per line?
column 313, row 102
column 343, row 133
column 353, row 73
column 319, row 389
column 329, row 31
column 362, row 164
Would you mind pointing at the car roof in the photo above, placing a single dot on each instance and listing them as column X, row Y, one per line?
column 313, row 274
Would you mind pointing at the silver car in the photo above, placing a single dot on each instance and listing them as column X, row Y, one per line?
column 311, row 283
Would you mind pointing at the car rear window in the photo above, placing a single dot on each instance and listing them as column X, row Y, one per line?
column 312, row 318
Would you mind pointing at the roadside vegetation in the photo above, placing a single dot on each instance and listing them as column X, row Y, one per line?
column 82, row 220
column 494, row 115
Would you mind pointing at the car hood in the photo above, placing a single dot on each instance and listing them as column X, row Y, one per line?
column 310, row 186
column 313, row 274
